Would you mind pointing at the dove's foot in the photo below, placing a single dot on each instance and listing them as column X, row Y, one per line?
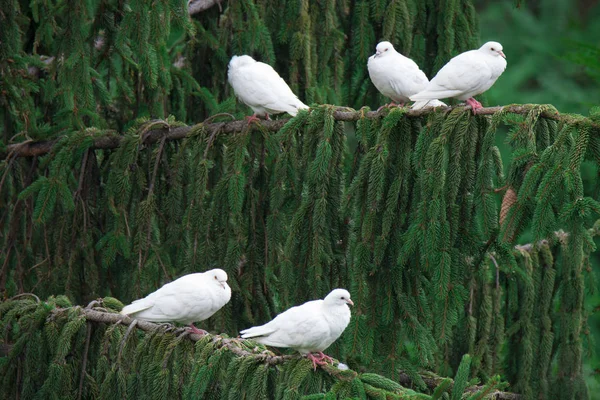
column 252, row 119
column 197, row 331
column 323, row 356
column 392, row 104
column 167, row 326
column 475, row 105
column 316, row 360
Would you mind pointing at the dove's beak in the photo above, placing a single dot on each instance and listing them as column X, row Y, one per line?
column 377, row 53
column 222, row 285
column 501, row 53
column 350, row 302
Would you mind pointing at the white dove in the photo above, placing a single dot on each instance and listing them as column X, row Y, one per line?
column 396, row 76
column 467, row 75
column 189, row 299
column 261, row 88
column 311, row 327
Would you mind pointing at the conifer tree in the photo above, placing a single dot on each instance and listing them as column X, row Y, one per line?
column 400, row 207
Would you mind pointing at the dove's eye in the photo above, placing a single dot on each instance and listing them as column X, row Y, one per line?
column 492, row 49
column 342, row 298
column 215, row 277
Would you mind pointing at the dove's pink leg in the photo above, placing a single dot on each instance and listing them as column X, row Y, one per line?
column 315, row 361
column 268, row 119
column 252, row 118
column 323, row 356
column 392, row 104
column 197, row 331
column 475, row 105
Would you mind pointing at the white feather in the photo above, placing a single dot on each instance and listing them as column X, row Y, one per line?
column 310, row 327
column 191, row 298
column 394, row 75
column 466, row 75
column 260, row 87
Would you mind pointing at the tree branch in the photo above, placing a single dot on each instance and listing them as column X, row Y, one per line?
column 197, row 6
column 432, row 381
column 234, row 345
column 237, row 346
column 38, row 148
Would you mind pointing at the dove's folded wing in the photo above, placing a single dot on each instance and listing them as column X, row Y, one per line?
column 463, row 74
column 261, row 86
column 299, row 327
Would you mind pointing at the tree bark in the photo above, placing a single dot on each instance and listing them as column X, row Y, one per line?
column 38, row 148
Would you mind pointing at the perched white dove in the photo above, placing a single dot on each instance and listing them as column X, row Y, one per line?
column 311, row 327
column 396, row 76
column 466, row 75
column 191, row 298
column 261, row 88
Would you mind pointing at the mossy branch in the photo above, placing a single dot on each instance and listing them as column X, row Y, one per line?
column 112, row 141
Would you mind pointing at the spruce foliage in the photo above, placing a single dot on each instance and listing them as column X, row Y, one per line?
column 60, row 352
column 407, row 220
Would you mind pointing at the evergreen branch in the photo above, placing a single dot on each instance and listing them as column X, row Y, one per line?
column 232, row 344
column 113, row 140
column 235, row 345
column 433, row 381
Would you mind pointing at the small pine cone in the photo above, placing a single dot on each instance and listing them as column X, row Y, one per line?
column 510, row 198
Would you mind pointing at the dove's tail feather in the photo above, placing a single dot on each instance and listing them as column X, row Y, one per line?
column 268, row 342
column 435, row 94
column 256, row 331
column 418, row 105
column 298, row 105
column 135, row 307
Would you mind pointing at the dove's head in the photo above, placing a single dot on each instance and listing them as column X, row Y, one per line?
column 383, row 49
column 492, row 48
column 240, row 61
column 218, row 276
column 338, row 297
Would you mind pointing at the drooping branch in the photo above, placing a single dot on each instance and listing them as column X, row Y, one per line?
column 38, row 148
column 432, row 381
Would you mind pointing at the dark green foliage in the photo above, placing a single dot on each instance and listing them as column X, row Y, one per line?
column 71, row 64
column 56, row 353
column 411, row 230
column 408, row 219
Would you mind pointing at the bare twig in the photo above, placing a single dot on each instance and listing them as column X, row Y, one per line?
column 81, row 174
column 125, row 337
column 197, row 6
column 88, row 337
column 37, row 299
column 113, row 141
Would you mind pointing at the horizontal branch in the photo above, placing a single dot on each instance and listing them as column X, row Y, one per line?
column 235, row 345
column 38, row 148
column 232, row 344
